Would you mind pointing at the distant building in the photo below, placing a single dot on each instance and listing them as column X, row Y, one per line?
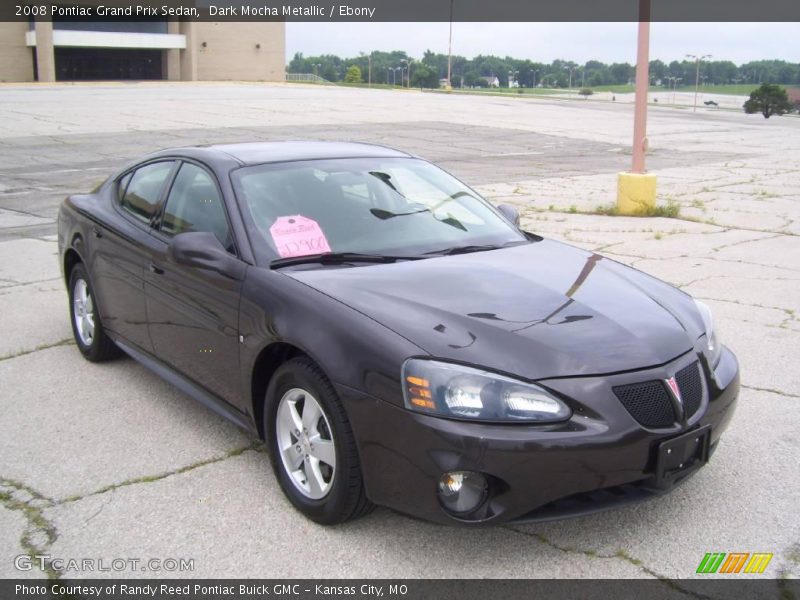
column 142, row 49
column 491, row 81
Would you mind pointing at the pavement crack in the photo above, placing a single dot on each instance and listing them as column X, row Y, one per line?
column 39, row 533
column 618, row 555
column 751, row 241
column 46, row 346
column 770, row 390
column 256, row 446
column 12, row 284
column 748, row 304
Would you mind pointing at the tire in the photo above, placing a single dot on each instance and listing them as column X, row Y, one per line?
column 324, row 493
column 90, row 337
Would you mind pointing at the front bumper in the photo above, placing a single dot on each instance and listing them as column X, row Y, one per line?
column 600, row 454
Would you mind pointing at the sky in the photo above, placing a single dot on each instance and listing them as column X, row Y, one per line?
column 545, row 42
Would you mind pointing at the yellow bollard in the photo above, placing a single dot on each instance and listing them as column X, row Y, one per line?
column 636, row 193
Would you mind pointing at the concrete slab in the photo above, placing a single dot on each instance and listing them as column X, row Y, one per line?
column 33, row 316
column 240, row 495
column 72, row 427
column 28, row 261
column 10, row 219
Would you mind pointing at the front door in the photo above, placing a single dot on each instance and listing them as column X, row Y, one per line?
column 193, row 313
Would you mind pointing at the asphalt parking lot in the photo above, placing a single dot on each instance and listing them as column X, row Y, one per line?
column 108, row 461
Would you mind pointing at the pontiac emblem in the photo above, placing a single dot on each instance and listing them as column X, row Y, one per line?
column 676, row 391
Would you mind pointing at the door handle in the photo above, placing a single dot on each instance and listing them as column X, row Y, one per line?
column 97, row 232
column 155, row 269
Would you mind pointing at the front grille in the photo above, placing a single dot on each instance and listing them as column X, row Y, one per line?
column 648, row 402
column 691, row 386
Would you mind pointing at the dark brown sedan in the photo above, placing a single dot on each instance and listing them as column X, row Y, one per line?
column 394, row 338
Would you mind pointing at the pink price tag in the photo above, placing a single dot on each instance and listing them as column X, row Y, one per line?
column 298, row 236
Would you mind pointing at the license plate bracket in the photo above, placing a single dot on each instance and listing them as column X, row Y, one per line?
column 681, row 455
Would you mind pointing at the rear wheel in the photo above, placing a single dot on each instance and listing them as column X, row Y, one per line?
column 89, row 334
column 313, row 450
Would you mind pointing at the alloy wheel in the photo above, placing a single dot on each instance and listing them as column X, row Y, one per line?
column 83, row 312
column 305, row 443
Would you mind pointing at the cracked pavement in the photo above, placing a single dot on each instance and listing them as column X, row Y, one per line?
column 108, row 461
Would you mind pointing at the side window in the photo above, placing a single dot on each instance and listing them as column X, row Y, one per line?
column 194, row 204
column 144, row 189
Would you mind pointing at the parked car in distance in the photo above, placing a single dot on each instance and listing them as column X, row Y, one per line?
column 394, row 338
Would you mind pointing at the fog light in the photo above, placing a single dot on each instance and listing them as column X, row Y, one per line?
column 462, row 491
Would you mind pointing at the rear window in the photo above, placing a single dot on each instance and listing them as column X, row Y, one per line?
column 140, row 197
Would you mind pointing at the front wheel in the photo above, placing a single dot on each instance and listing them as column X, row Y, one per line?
column 89, row 334
column 313, row 450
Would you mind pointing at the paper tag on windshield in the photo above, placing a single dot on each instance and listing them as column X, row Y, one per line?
column 298, row 236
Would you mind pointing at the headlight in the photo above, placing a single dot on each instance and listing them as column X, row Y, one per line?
column 458, row 392
column 713, row 347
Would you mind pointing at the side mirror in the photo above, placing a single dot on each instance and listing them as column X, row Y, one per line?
column 509, row 212
column 203, row 250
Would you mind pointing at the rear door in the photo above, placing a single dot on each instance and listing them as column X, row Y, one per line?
column 193, row 313
column 118, row 268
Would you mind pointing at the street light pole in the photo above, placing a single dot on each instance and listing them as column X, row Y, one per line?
column 571, row 71
column 450, row 48
column 697, row 75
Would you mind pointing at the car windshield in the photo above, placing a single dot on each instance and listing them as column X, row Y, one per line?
column 374, row 206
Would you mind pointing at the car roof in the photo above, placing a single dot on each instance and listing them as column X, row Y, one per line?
column 254, row 153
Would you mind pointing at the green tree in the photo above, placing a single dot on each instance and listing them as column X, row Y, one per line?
column 769, row 99
column 658, row 70
column 353, row 74
column 586, row 92
column 424, row 76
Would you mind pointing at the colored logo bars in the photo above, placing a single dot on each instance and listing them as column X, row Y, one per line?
column 736, row 562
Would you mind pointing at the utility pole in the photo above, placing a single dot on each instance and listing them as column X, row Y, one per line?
column 642, row 87
column 450, row 48
column 636, row 190
column 697, row 75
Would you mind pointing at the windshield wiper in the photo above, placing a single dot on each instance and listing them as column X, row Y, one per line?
column 338, row 258
column 385, row 214
column 474, row 248
column 465, row 249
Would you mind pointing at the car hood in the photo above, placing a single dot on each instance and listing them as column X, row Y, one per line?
column 538, row 310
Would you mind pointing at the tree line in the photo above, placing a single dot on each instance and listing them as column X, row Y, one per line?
column 483, row 71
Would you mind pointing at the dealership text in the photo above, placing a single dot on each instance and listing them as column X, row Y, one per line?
column 251, row 589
